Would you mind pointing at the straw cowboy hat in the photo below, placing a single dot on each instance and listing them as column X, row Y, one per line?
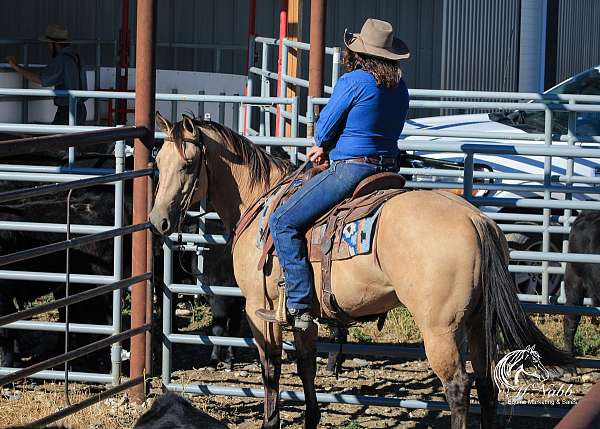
column 376, row 39
column 55, row 33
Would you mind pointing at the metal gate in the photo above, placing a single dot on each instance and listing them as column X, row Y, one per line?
column 111, row 284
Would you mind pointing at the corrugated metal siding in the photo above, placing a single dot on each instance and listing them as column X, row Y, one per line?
column 220, row 22
column 417, row 23
column 223, row 22
column 480, row 45
column 86, row 19
column 578, row 41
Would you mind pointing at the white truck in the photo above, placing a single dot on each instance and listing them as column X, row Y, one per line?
column 519, row 122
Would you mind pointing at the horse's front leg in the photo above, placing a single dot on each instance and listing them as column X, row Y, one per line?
column 307, row 370
column 268, row 339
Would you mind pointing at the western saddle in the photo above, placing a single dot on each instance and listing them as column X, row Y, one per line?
column 368, row 196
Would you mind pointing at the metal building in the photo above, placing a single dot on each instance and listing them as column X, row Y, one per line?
column 456, row 44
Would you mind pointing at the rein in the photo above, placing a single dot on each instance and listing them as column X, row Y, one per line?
column 253, row 209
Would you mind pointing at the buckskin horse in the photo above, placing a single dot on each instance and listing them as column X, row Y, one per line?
column 436, row 254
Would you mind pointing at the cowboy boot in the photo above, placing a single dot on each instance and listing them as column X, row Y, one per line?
column 286, row 317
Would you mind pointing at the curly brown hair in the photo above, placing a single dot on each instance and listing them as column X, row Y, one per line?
column 387, row 73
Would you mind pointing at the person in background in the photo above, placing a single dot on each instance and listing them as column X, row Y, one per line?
column 65, row 71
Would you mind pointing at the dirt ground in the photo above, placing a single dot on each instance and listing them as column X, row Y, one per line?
column 407, row 379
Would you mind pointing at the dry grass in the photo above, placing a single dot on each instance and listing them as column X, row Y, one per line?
column 400, row 328
column 31, row 402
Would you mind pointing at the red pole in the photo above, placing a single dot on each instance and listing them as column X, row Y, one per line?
column 317, row 50
column 251, row 34
column 145, row 88
column 252, row 19
column 586, row 414
column 283, row 22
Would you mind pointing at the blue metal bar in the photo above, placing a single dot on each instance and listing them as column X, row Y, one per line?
column 84, row 377
column 82, row 328
column 339, row 398
column 40, row 276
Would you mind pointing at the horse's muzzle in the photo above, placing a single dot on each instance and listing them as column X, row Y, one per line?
column 161, row 222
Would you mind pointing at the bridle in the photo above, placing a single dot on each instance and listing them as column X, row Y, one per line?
column 199, row 143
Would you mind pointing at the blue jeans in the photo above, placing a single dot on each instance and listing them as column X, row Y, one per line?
column 289, row 223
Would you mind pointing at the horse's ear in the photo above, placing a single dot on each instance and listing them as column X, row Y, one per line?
column 163, row 124
column 189, row 125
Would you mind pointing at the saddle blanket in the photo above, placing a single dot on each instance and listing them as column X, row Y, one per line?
column 356, row 237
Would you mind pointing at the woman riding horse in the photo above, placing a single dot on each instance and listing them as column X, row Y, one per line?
column 446, row 261
column 359, row 129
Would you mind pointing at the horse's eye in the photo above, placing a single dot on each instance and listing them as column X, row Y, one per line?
column 188, row 167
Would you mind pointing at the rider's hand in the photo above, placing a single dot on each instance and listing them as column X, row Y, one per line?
column 317, row 155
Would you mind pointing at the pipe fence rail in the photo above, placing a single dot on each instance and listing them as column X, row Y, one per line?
column 557, row 195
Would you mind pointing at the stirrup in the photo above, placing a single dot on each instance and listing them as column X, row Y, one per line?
column 279, row 315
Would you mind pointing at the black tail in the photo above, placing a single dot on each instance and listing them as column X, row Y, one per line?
column 504, row 314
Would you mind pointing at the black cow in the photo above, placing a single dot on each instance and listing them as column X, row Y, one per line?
column 174, row 412
column 92, row 206
column 581, row 280
column 226, row 311
column 87, row 207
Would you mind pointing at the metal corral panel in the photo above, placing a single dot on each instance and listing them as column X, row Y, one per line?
column 578, row 37
column 480, row 45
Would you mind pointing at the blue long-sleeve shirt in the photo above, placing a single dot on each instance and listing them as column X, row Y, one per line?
column 362, row 119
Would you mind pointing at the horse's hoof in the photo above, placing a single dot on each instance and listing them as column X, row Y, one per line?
column 213, row 364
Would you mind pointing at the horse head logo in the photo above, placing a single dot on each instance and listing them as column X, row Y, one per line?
column 518, row 365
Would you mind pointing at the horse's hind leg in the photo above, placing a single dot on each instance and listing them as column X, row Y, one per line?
column 307, row 370
column 487, row 392
column 443, row 354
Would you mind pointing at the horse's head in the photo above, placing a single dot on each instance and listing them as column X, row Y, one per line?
column 183, row 177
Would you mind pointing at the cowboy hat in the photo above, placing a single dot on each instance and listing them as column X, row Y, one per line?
column 376, row 39
column 55, row 33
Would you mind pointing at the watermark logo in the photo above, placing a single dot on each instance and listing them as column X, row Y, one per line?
column 523, row 379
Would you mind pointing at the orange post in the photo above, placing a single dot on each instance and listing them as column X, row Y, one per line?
column 145, row 88
column 317, row 50
column 283, row 21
